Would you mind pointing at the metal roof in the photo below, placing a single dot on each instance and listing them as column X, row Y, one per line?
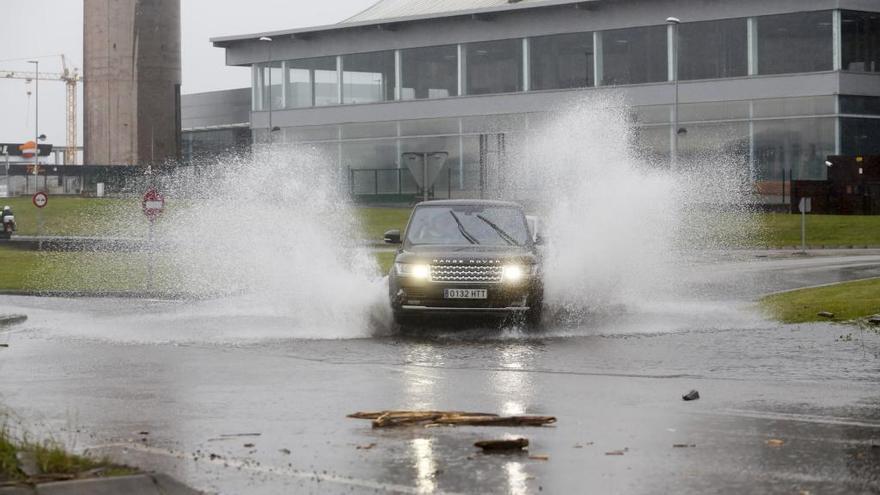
column 395, row 11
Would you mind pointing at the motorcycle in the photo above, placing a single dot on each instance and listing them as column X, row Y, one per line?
column 8, row 225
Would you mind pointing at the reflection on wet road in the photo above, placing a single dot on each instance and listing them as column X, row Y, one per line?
column 100, row 371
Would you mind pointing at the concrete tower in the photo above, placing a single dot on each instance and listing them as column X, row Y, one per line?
column 131, row 64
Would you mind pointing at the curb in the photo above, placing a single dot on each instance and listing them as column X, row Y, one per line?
column 140, row 484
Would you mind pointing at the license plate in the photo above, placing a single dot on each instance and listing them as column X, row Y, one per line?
column 465, row 293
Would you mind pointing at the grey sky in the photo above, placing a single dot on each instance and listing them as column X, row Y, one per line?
column 59, row 30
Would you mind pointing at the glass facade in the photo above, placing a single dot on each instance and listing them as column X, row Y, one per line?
column 860, row 136
column 796, row 145
column 713, row 49
column 312, row 82
column 634, row 56
column 494, row 67
column 860, row 40
column 795, row 43
column 430, row 72
column 368, row 77
column 561, row 62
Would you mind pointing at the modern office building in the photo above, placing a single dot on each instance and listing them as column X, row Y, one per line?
column 781, row 84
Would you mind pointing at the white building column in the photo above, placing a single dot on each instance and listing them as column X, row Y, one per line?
column 462, row 69
column 597, row 58
column 837, row 52
column 752, row 44
column 398, row 72
column 285, row 84
column 339, row 79
column 526, row 58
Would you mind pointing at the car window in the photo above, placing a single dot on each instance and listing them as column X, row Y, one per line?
column 468, row 225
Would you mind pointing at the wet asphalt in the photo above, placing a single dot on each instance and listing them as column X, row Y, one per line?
column 783, row 409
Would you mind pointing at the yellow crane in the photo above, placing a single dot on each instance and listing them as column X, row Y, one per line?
column 71, row 77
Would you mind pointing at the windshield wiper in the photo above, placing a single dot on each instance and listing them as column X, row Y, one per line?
column 501, row 233
column 464, row 233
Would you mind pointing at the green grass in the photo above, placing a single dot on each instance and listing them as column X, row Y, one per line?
column 848, row 301
column 70, row 215
column 375, row 221
column 781, row 229
column 51, row 458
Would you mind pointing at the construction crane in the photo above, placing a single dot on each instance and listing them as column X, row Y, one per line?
column 71, row 77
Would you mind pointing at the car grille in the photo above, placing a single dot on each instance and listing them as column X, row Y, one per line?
column 465, row 273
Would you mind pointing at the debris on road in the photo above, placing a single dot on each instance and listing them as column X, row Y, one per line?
column 683, row 445
column 249, row 445
column 692, row 395
column 581, row 445
column 539, row 457
column 503, row 445
column 618, row 452
column 775, row 442
column 284, row 451
column 9, row 320
column 4, row 345
column 366, row 447
column 234, row 435
column 825, row 314
column 382, row 419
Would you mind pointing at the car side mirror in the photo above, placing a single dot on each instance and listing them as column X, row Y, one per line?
column 392, row 236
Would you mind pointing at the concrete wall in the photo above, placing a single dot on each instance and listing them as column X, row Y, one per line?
column 131, row 52
column 216, row 108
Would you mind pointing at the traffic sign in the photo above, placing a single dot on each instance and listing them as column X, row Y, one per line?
column 153, row 204
column 40, row 199
column 805, row 205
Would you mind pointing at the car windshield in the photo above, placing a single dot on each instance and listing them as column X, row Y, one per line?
column 468, row 225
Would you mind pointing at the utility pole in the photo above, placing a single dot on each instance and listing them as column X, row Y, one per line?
column 36, row 122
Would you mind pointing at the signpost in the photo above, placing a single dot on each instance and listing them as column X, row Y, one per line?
column 805, row 206
column 40, row 200
column 153, row 204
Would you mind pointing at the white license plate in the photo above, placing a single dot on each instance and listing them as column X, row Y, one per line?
column 465, row 293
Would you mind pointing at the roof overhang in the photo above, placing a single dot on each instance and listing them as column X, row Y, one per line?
column 391, row 23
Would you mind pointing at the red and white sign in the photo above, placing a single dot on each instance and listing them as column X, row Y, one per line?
column 40, row 199
column 153, row 204
column 28, row 149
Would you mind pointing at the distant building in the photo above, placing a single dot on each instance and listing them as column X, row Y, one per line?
column 781, row 83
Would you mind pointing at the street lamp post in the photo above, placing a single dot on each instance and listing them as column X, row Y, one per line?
column 268, row 40
column 36, row 121
column 674, row 22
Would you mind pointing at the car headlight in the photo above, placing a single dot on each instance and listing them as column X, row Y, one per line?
column 414, row 270
column 512, row 273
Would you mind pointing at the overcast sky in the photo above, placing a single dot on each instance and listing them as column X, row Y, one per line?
column 59, row 30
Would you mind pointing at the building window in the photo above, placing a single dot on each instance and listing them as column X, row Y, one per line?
column 797, row 145
column 264, row 74
column 429, row 72
column 562, row 61
column 860, row 37
column 861, row 105
column 312, row 82
column 634, row 56
column 368, row 77
column 494, row 67
column 713, row 49
column 860, row 136
column 795, row 43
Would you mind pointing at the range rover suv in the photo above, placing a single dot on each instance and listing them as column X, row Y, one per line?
column 466, row 257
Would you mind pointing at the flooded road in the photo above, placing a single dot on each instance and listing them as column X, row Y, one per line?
column 228, row 402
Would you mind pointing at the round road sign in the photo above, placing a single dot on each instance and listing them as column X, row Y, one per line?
column 153, row 204
column 40, row 199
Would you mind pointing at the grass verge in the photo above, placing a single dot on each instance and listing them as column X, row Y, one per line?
column 51, row 461
column 847, row 301
column 779, row 229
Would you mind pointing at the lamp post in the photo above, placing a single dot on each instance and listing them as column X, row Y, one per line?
column 674, row 22
column 268, row 40
column 36, row 120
